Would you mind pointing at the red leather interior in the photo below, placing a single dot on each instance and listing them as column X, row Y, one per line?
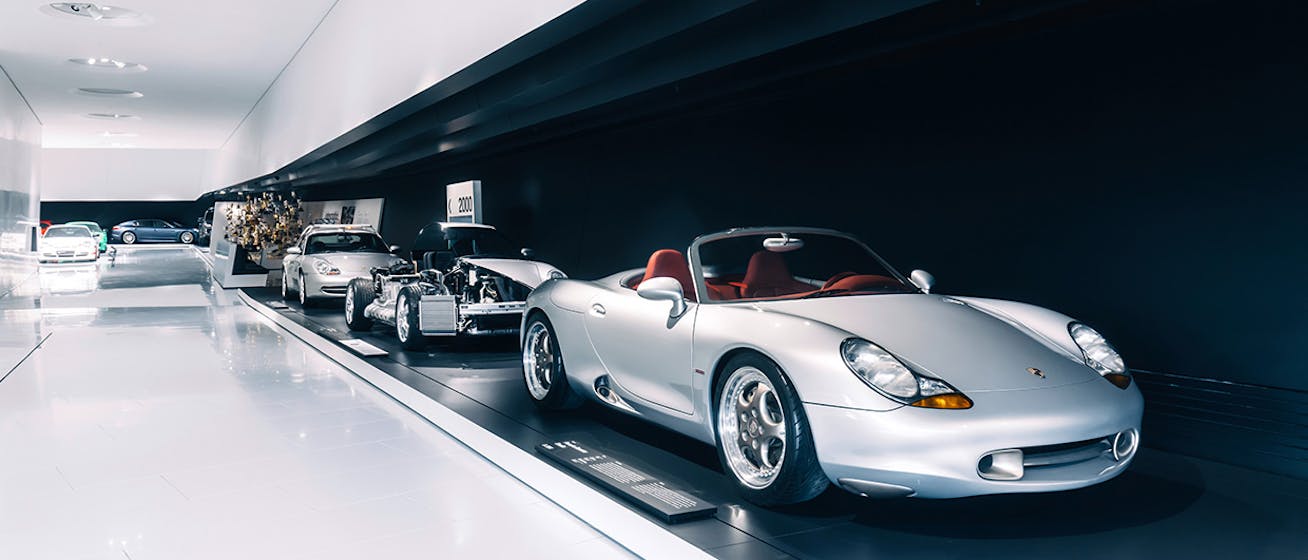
column 672, row 264
column 769, row 276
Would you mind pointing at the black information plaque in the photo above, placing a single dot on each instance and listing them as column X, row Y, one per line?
column 611, row 472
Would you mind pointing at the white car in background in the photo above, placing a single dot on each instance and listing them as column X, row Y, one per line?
column 69, row 243
column 327, row 257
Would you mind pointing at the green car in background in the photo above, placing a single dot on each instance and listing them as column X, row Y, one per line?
column 95, row 228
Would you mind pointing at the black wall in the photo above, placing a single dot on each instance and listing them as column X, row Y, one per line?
column 1142, row 171
column 109, row 213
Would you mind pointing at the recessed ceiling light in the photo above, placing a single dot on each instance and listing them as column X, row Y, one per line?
column 108, row 64
column 109, row 92
column 98, row 13
column 111, row 116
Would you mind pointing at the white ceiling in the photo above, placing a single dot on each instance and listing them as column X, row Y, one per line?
column 209, row 62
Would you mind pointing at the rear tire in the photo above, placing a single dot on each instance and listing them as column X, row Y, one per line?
column 406, row 320
column 129, row 237
column 772, row 459
column 358, row 296
column 286, row 287
column 542, row 367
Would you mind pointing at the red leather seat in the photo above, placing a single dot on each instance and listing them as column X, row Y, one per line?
column 769, row 276
column 670, row 263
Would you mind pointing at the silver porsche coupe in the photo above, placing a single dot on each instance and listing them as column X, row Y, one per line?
column 807, row 360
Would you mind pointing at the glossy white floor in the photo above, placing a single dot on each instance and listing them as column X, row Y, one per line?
column 161, row 418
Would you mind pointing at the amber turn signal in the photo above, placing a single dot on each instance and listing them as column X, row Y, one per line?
column 951, row 400
column 1121, row 380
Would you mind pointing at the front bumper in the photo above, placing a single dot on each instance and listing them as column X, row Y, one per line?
column 319, row 286
column 67, row 256
column 931, row 453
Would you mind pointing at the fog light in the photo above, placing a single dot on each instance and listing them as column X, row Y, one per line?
column 1001, row 465
column 1124, row 444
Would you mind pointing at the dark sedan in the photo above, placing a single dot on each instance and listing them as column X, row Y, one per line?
column 152, row 231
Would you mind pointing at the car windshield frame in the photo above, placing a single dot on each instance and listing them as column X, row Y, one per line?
column 701, row 288
column 68, row 227
column 88, row 225
column 487, row 232
column 384, row 249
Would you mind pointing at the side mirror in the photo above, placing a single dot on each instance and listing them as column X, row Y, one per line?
column 922, row 279
column 394, row 249
column 293, row 251
column 528, row 253
column 664, row 288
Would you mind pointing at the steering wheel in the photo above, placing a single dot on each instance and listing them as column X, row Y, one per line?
column 838, row 277
column 861, row 282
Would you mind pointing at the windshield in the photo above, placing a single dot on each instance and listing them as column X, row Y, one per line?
column 345, row 242
column 786, row 265
column 68, row 231
column 480, row 242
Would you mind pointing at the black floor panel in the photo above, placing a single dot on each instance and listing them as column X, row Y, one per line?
column 1166, row 505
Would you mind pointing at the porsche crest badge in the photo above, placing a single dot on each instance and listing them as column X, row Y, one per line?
column 1036, row 372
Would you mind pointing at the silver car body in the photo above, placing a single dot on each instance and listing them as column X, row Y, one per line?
column 81, row 245
column 348, row 265
column 628, row 353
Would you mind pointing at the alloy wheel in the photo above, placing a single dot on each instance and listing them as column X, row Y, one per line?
column 304, row 297
column 349, row 302
column 538, row 360
column 752, row 427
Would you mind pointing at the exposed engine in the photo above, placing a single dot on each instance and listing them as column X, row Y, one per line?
column 474, row 285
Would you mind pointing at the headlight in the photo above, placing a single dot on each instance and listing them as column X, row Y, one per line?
column 890, row 377
column 1099, row 354
column 557, row 274
column 325, row 268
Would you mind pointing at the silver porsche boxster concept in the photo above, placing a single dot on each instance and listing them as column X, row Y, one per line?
column 807, row 360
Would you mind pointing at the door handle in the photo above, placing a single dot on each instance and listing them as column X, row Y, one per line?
column 598, row 309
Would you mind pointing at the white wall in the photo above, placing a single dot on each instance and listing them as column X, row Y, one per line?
column 367, row 57
column 20, row 186
column 123, row 174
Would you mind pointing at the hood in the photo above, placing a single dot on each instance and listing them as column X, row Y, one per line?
column 357, row 262
column 945, row 338
column 527, row 273
column 68, row 242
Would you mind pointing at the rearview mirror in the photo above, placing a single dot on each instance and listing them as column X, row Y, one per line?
column 922, row 279
column 664, row 288
column 394, row 249
column 783, row 244
column 293, row 251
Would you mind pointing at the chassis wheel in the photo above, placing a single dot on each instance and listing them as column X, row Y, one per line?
column 764, row 441
column 129, row 237
column 358, row 296
column 542, row 367
column 186, row 237
column 406, row 321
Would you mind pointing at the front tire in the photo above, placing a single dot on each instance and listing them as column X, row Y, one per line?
column 186, row 237
column 542, row 367
column 763, row 437
column 129, row 238
column 358, row 296
column 286, row 286
column 406, row 320
column 303, row 291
